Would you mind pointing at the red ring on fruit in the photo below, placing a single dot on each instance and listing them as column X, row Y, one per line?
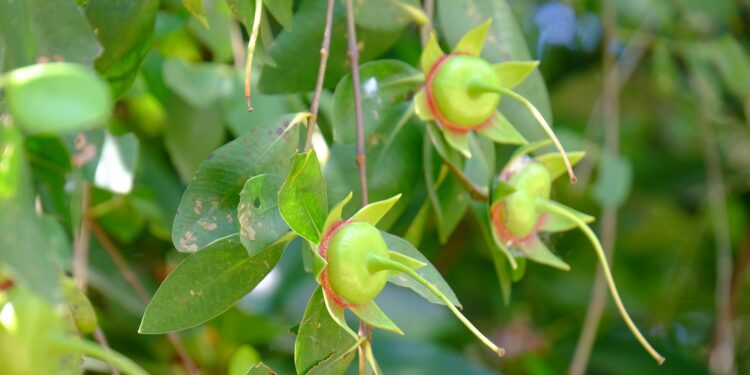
column 432, row 103
column 323, row 251
column 498, row 219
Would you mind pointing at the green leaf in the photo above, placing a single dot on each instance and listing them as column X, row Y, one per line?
column 243, row 361
column 302, row 198
column 195, row 7
column 26, row 251
column 428, row 272
column 297, row 51
column 281, row 10
column 260, row 369
column 124, row 29
column 206, row 284
column 384, row 84
column 208, row 207
column 372, row 314
column 217, row 37
column 473, row 41
column 454, row 201
column 320, row 340
column 383, row 14
column 612, row 186
column 201, row 85
column 40, row 98
column 373, row 212
column 234, row 107
column 501, row 190
column 555, row 163
column 405, row 260
column 41, row 30
column 459, row 141
column 191, row 135
column 512, row 73
column 258, row 212
column 505, row 42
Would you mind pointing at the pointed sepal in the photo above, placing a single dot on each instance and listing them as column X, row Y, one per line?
column 535, row 250
column 337, row 314
column 421, row 107
column 334, row 216
column 529, row 148
column 502, row 189
column 319, row 263
column 431, row 54
column 555, row 163
column 472, row 42
column 375, row 317
column 373, row 212
column 555, row 222
column 459, row 141
column 512, row 73
column 500, row 245
column 500, row 130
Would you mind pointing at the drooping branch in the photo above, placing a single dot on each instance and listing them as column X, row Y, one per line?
column 324, row 52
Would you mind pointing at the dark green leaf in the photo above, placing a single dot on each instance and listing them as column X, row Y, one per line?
column 124, row 29
column 383, row 14
column 302, row 198
column 281, row 10
column 297, row 51
column 208, row 207
column 321, row 342
column 258, row 212
column 206, row 284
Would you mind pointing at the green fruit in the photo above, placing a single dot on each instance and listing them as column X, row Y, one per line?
column 348, row 253
column 534, row 179
column 532, row 182
column 81, row 310
column 457, row 102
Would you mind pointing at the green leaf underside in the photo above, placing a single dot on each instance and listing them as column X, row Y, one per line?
column 473, row 41
column 512, row 73
column 373, row 212
column 206, row 284
column 372, row 314
column 258, row 213
column 336, row 313
column 500, row 130
column 428, row 272
column 302, row 198
column 555, row 163
column 208, row 209
column 195, row 7
column 321, row 340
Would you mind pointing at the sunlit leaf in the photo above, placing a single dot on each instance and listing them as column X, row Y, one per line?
column 302, row 198
column 258, row 213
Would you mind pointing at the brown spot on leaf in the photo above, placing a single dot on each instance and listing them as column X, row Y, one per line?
column 198, row 208
column 207, row 225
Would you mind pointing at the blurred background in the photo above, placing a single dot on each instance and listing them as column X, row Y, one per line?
column 657, row 93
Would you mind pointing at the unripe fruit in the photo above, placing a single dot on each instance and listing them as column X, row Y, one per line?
column 464, row 107
column 533, row 178
column 521, row 215
column 348, row 252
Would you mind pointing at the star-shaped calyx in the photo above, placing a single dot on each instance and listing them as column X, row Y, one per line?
column 462, row 92
column 521, row 210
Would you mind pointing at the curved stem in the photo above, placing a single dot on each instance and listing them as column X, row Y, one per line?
column 251, row 51
column 554, row 207
column 481, row 86
column 76, row 345
column 379, row 263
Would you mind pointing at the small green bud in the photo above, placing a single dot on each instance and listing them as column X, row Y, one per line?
column 457, row 102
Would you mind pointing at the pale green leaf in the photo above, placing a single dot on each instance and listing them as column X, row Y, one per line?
column 512, row 73
column 258, row 213
column 373, row 212
column 302, row 198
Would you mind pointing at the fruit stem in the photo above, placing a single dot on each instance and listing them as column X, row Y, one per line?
column 481, row 86
column 77, row 345
column 379, row 263
column 556, row 208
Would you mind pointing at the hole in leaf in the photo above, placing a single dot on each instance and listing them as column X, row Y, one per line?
column 256, row 203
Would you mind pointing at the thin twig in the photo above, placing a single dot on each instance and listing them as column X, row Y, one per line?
column 132, row 279
column 353, row 55
column 324, row 52
column 81, row 243
column 610, row 105
column 251, row 51
column 476, row 192
column 429, row 10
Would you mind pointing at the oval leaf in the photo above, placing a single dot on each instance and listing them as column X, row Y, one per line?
column 206, row 284
column 302, row 198
column 260, row 221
